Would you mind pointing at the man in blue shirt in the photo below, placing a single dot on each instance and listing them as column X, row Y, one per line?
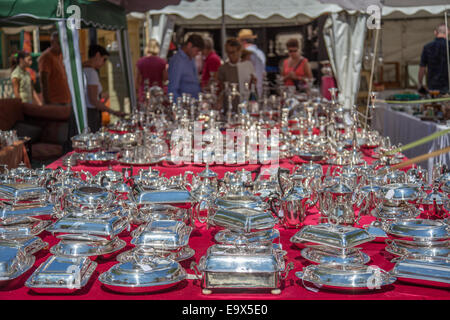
column 434, row 58
column 183, row 75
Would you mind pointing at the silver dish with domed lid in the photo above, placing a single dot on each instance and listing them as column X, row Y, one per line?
column 401, row 247
column 422, row 269
column 336, row 236
column 61, row 275
column 73, row 245
column 424, row 229
column 324, row 254
column 143, row 275
column 13, row 263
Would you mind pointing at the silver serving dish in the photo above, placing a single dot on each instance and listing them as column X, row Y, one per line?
column 387, row 212
column 241, row 267
column 73, row 245
column 243, row 220
column 15, row 192
column 13, row 263
column 22, row 227
column 61, row 275
column 90, row 196
column 86, row 142
column 324, row 254
column 150, row 274
column 162, row 234
column 29, row 245
column 419, row 229
column 354, row 277
column 401, row 192
column 421, row 269
column 423, row 248
column 96, row 158
column 108, row 226
column 25, row 209
column 262, row 237
column 140, row 253
column 240, row 201
column 142, row 196
column 336, row 236
column 146, row 213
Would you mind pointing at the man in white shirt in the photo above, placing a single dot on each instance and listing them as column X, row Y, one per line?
column 258, row 58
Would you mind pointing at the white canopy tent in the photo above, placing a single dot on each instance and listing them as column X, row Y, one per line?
column 345, row 43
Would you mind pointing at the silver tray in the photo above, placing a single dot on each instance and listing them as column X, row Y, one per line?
column 13, row 263
column 354, row 277
column 27, row 210
column 424, row 248
column 151, row 275
column 230, row 237
column 22, row 227
column 162, row 197
column 243, row 220
column 61, row 275
column 324, row 254
column 336, row 236
column 162, row 234
column 140, row 253
column 146, row 213
column 22, row 191
column 419, row 229
column 426, row 269
column 72, row 246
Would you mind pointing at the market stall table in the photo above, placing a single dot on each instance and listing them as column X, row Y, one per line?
column 404, row 128
column 201, row 239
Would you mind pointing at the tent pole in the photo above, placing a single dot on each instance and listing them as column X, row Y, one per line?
column 223, row 30
column 448, row 54
column 375, row 50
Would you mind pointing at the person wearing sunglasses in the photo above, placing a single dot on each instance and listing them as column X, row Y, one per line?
column 295, row 69
column 93, row 88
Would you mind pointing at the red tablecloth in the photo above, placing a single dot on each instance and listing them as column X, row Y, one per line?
column 201, row 239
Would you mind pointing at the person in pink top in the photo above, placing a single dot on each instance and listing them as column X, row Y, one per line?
column 150, row 68
column 211, row 64
column 295, row 69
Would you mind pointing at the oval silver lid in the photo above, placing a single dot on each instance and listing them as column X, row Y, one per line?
column 346, row 276
column 78, row 247
column 423, row 248
column 90, row 194
column 420, row 229
column 149, row 272
column 324, row 254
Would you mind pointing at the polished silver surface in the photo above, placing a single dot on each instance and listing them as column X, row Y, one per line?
column 148, row 274
column 242, row 219
column 22, row 227
column 388, row 212
column 61, row 274
column 108, row 226
column 13, row 263
column 25, row 209
column 85, row 246
column 401, row 191
column 400, row 247
column 324, row 254
column 345, row 277
column 429, row 269
column 29, row 245
column 262, row 237
column 15, row 192
column 142, row 196
column 419, row 229
column 336, row 236
column 90, row 196
column 96, row 158
column 162, row 234
column 140, row 253
column 243, row 267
